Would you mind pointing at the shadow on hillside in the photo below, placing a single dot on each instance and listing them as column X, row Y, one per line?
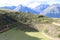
column 5, row 23
column 12, row 23
column 25, row 27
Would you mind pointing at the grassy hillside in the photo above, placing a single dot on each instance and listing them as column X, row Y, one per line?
column 24, row 26
column 28, row 18
column 53, row 29
column 8, row 17
column 25, row 18
column 14, row 34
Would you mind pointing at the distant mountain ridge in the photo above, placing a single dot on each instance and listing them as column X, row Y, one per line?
column 37, row 10
column 52, row 11
column 41, row 7
column 9, row 7
column 25, row 9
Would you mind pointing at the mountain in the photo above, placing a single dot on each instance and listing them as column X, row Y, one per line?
column 41, row 7
column 25, row 9
column 9, row 7
column 38, row 9
column 52, row 11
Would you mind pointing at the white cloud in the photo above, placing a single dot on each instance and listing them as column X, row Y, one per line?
column 34, row 4
column 13, row 2
column 29, row 3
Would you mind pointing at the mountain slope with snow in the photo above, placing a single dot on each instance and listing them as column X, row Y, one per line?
column 25, row 9
column 37, row 10
column 41, row 7
column 52, row 11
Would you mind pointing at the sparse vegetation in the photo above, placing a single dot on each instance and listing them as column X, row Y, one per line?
column 27, row 22
column 59, row 35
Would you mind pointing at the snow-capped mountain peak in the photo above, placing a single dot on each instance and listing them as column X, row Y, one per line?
column 52, row 11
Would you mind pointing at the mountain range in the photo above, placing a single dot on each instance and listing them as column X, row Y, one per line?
column 9, row 7
column 43, row 9
column 25, row 9
column 52, row 11
column 37, row 10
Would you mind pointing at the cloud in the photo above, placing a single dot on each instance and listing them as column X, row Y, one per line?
column 29, row 3
column 47, row 1
column 13, row 2
column 35, row 3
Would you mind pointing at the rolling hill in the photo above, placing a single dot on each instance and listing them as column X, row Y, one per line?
column 24, row 25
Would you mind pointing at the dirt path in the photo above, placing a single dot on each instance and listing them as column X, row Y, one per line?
column 49, row 36
column 56, row 24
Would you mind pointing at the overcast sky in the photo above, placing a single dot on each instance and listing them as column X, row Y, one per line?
column 27, row 2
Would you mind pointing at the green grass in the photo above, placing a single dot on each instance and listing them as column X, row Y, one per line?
column 14, row 34
column 38, row 35
column 22, row 18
